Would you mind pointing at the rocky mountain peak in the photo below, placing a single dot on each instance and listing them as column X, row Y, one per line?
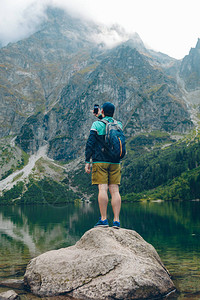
column 135, row 42
column 190, row 68
column 198, row 44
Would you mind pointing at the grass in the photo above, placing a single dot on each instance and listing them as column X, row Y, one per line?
column 17, row 176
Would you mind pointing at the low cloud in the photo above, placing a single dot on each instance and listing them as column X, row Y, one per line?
column 112, row 35
column 19, row 19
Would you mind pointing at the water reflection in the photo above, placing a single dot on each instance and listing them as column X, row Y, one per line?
column 166, row 223
column 28, row 231
column 172, row 228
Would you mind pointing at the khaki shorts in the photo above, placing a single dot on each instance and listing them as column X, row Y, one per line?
column 106, row 173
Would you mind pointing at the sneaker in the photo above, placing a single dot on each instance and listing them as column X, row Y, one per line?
column 101, row 223
column 116, row 224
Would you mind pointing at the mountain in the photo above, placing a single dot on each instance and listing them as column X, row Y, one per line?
column 50, row 81
column 190, row 68
column 34, row 70
column 145, row 99
column 37, row 71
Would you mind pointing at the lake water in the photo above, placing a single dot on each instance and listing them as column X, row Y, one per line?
column 173, row 228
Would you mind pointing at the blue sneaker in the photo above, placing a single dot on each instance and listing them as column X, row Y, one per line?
column 116, row 224
column 101, row 223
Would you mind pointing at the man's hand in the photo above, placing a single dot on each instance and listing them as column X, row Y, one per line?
column 99, row 112
column 87, row 168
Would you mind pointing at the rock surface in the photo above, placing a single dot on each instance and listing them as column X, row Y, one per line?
column 190, row 69
column 9, row 295
column 104, row 264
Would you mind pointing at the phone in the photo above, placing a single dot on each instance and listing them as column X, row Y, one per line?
column 96, row 109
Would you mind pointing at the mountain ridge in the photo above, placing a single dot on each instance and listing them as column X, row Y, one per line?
column 48, row 63
column 50, row 81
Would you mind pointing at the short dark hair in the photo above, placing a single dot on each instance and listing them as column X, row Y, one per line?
column 108, row 109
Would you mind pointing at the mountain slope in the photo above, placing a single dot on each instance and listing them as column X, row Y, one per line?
column 49, row 83
column 190, row 68
column 34, row 70
column 145, row 99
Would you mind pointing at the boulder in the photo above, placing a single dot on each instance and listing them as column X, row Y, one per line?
column 9, row 295
column 105, row 263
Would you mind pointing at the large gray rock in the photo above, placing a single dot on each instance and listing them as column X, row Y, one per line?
column 105, row 263
column 9, row 295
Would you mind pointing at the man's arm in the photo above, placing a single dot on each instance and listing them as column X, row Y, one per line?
column 89, row 149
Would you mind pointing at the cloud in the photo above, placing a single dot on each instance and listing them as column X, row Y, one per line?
column 19, row 19
column 168, row 26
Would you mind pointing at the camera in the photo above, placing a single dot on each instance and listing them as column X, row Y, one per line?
column 96, row 109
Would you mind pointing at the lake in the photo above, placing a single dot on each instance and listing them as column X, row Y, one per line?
column 173, row 228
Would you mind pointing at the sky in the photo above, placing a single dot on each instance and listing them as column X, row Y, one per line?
column 168, row 26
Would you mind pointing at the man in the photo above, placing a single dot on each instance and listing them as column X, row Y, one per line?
column 106, row 171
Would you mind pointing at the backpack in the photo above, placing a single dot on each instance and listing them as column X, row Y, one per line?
column 115, row 145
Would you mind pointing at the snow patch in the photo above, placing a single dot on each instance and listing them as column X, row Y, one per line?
column 8, row 182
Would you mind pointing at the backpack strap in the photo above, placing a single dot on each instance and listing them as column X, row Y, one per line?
column 104, row 121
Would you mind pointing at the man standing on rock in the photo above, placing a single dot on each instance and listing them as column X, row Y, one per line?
column 106, row 171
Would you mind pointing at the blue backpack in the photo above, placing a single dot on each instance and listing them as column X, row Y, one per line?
column 115, row 145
